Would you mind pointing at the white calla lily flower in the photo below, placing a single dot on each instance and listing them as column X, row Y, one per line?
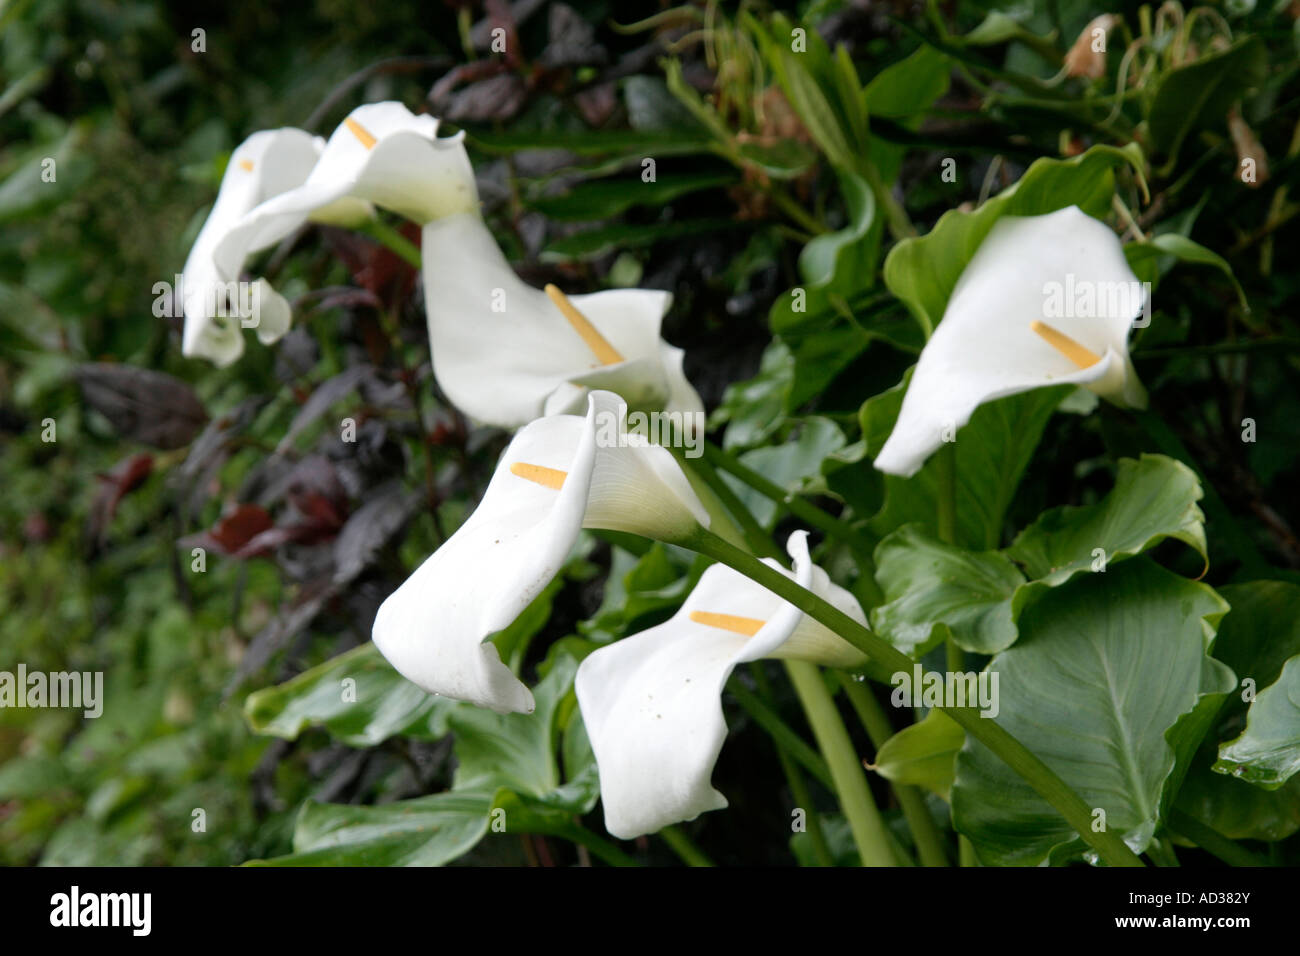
column 559, row 475
column 381, row 155
column 652, row 702
column 1046, row 300
column 506, row 353
column 263, row 166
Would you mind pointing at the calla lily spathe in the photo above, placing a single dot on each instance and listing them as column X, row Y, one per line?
column 651, row 703
column 265, row 165
column 557, row 476
column 997, row 337
column 506, row 353
column 381, row 155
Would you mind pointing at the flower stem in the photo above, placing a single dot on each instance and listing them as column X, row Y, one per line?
column 393, row 241
column 868, row 828
column 607, row 851
column 786, row 739
column 1037, row 774
column 803, row 510
column 681, row 844
column 798, row 786
column 929, row 842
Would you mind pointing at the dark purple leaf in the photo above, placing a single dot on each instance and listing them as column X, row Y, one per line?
column 150, row 407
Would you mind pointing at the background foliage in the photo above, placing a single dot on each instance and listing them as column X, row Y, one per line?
column 775, row 170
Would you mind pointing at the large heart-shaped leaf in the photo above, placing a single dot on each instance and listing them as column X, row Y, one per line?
column 1154, row 498
column 979, row 596
column 1105, row 668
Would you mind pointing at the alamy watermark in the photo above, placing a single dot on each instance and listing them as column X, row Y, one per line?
column 235, row 300
column 952, row 689
column 79, row 690
column 1084, row 299
column 621, row 429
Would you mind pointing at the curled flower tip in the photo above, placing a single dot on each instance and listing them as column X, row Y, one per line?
column 1087, row 58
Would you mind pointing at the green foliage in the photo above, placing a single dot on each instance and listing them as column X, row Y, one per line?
column 1096, row 705
column 810, row 200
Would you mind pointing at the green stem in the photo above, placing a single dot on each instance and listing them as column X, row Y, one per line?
column 929, row 842
column 1210, row 840
column 780, row 732
column 607, row 851
column 681, row 844
column 851, row 786
column 900, row 225
column 1037, row 774
column 795, row 211
column 798, row 786
column 805, row 511
column 393, row 241
column 755, row 536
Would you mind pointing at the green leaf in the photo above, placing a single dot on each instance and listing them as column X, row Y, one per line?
column 1262, row 633
column 1239, row 810
column 992, row 453
column 1143, row 258
column 835, row 267
column 910, row 85
column 753, row 409
column 1154, row 498
column 786, row 159
column 878, row 414
column 1256, row 639
column 513, row 750
column 1268, row 752
column 998, row 28
column 637, row 587
column 795, row 465
column 924, row 754
column 380, row 703
column 1105, row 667
column 607, row 198
column 426, row 831
column 927, row 583
column 1200, row 94
column 922, row 272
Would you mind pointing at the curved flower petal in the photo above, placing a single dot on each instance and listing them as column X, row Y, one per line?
column 433, row 628
column 505, row 354
column 381, row 154
column 1028, row 271
column 651, row 702
column 554, row 479
column 265, row 165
